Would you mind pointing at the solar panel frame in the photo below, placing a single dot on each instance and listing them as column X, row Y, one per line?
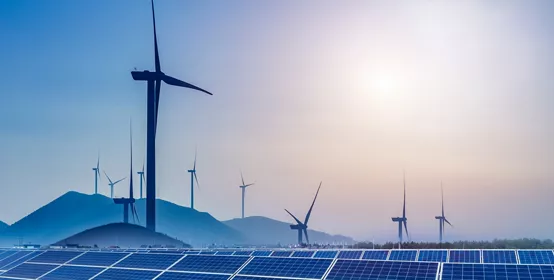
column 99, row 258
column 242, row 253
column 173, row 275
column 21, row 260
column 390, row 270
column 282, row 254
column 326, row 254
column 241, row 277
column 210, row 264
column 13, row 258
column 30, row 270
column 149, row 261
column 72, row 272
column 127, row 274
column 535, row 256
column 469, row 271
column 499, row 256
column 402, row 255
column 225, row 253
column 7, row 254
column 55, row 257
column 261, row 253
column 375, row 255
column 309, row 268
column 464, row 256
column 350, row 254
column 302, row 254
column 433, row 255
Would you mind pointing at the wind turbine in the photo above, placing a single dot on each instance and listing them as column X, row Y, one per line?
column 303, row 226
column 141, row 176
column 442, row 219
column 192, row 178
column 402, row 220
column 96, row 174
column 112, row 184
column 154, row 83
column 243, row 187
column 129, row 202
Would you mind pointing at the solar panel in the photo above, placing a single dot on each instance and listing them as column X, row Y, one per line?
column 191, row 252
column 351, row 255
column 6, row 254
column 465, row 256
column 375, row 255
column 21, row 260
column 98, row 258
column 261, row 253
column 149, row 261
column 126, row 274
column 281, row 253
column 165, row 252
column 72, row 273
column 242, row 253
column 214, row 264
column 535, row 256
column 207, row 253
column 225, row 253
column 432, row 255
column 362, row 269
column 29, row 270
column 13, row 258
column 302, row 254
column 326, row 254
column 286, row 267
column 192, row 276
column 499, row 256
column 467, row 271
column 402, row 255
column 240, row 277
column 58, row 257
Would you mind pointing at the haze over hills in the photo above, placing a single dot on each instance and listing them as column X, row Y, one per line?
column 262, row 230
column 74, row 212
column 3, row 226
column 122, row 235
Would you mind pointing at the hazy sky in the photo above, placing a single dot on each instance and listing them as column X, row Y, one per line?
column 304, row 91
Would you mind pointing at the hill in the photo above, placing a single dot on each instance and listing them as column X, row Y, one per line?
column 75, row 212
column 122, row 235
column 3, row 226
column 262, row 230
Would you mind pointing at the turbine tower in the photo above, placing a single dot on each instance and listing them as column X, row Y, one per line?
column 243, row 187
column 442, row 219
column 303, row 226
column 129, row 202
column 192, row 178
column 112, row 184
column 154, row 83
column 96, row 174
column 141, row 177
column 402, row 220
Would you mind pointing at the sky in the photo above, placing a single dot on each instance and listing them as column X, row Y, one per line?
column 458, row 92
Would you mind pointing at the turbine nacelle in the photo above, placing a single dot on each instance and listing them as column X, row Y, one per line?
column 399, row 219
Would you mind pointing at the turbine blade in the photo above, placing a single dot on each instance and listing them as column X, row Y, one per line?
column 306, row 234
column 442, row 200
column 157, row 97
column 447, row 222
column 196, row 178
column 131, row 165
column 98, row 167
column 156, row 54
column 249, row 185
column 178, row 83
column 404, row 205
column 311, row 207
column 110, row 180
column 119, row 180
column 195, row 152
column 242, row 178
column 406, row 228
column 296, row 219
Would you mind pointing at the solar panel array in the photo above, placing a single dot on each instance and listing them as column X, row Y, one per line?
column 356, row 269
column 466, row 271
column 432, row 255
column 403, row 255
column 536, row 256
column 465, row 256
column 499, row 256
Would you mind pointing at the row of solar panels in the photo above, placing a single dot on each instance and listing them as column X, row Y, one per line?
column 67, row 265
column 10, row 257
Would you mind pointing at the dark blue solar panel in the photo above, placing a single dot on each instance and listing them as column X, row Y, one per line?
column 191, row 252
column 351, row 255
column 432, row 255
column 535, row 256
column 403, row 255
column 465, row 256
column 127, row 274
column 72, row 273
column 366, row 269
column 225, row 253
column 243, row 253
column 21, row 260
column 375, row 255
column 207, row 252
column 261, row 253
column 6, row 254
column 326, row 254
column 165, row 252
column 214, row 264
column 466, row 271
column 58, row 257
column 303, row 254
column 13, row 258
column 281, row 253
column 98, row 258
column 28, row 270
column 192, row 276
column 499, row 256
column 239, row 277
column 287, row 267
column 149, row 261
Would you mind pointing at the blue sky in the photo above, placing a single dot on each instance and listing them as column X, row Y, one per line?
column 350, row 94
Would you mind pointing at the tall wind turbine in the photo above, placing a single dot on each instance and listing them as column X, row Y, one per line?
column 243, row 188
column 96, row 174
column 192, row 178
column 303, row 226
column 442, row 219
column 112, row 184
column 154, row 83
column 141, row 177
column 130, row 201
column 402, row 220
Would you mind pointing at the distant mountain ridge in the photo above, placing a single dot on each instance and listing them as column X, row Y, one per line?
column 3, row 226
column 263, row 230
column 74, row 212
